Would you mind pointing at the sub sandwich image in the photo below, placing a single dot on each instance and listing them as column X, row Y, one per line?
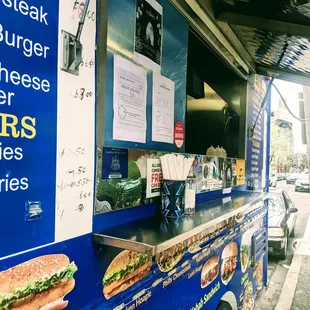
column 126, row 269
column 239, row 217
column 38, row 284
column 210, row 271
column 229, row 262
column 194, row 243
column 168, row 259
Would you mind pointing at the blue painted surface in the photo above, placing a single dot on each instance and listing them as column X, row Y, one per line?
column 121, row 27
column 184, row 291
column 38, row 164
column 111, row 219
column 203, row 197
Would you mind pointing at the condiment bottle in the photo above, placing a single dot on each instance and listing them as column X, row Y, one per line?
column 211, row 151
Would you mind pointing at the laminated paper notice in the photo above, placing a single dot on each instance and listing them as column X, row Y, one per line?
column 163, row 109
column 154, row 177
column 129, row 102
column 148, row 35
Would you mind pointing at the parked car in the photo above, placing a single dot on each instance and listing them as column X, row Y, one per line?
column 291, row 178
column 273, row 180
column 302, row 183
column 281, row 222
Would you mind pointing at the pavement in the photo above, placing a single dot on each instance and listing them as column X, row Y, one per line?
column 295, row 292
column 285, row 285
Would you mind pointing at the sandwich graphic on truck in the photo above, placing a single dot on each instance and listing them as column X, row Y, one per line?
column 168, row 259
column 38, row 284
column 229, row 262
column 210, row 271
column 126, row 269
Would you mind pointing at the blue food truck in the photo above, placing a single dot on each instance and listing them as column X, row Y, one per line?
column 92, row 95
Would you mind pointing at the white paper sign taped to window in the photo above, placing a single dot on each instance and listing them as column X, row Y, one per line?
column 129, row 102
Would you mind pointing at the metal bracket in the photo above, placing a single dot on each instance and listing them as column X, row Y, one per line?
column 71, row 53
column 72, row 47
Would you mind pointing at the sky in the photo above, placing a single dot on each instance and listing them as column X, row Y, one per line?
column 290, row 93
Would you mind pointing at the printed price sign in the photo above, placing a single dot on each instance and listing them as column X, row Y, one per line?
column 154, row 177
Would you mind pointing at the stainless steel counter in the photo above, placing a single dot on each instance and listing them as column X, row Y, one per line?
column 156, row 234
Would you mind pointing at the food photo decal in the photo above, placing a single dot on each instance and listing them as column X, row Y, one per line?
column 229, row 262
column 245, row 252
column 126, row 269
column 38, row 284
column 210, row 271
column 168, row 259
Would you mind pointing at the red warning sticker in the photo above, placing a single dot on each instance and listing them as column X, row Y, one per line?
column 179, row 134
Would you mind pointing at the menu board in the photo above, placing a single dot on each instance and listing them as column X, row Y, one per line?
column 46, row 156
column 257, row 143
column 75, row 129
column 28, row 95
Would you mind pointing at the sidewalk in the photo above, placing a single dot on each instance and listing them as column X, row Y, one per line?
column 295, row 292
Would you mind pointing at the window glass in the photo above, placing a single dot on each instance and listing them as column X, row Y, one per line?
column 288, row 201
column 276, row 203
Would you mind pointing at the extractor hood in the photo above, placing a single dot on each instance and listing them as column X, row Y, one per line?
column 268, row 37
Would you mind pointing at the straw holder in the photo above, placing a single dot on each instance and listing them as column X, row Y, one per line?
column 173, row 198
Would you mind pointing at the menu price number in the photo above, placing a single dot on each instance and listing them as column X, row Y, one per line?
column 60, row 212
column 87, row 63
column 80, row 207
column 82, row 93
column 78, row 171
column 63, row 185
column 85, row 195
column 79, row 151
column 78, row 6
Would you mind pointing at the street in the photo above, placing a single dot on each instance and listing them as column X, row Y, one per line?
column 277, row 269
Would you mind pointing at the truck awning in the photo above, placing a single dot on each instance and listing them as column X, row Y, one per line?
column 269, row 37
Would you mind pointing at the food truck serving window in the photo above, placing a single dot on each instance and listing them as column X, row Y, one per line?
column 216, row 102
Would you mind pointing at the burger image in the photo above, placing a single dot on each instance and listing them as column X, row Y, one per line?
column 210, row 271
column 126, row 269
column 38, row 284
column 229, row 262
column 169, row 258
